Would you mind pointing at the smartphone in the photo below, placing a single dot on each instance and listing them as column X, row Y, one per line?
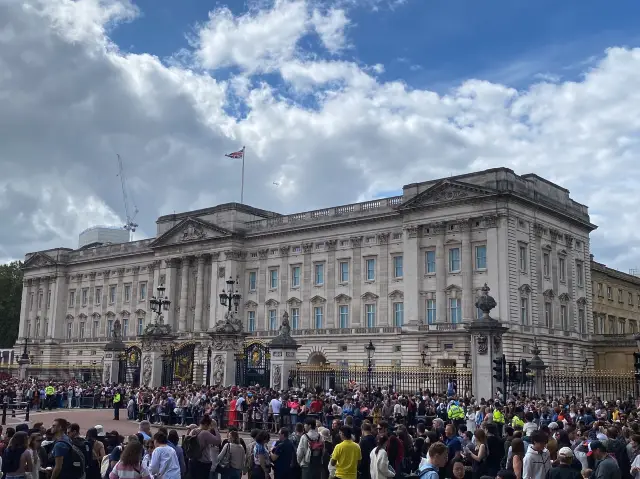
column 273, row 444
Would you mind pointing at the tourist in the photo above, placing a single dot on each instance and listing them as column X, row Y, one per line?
column 164, row 462
column 283, row 455
column 606, row 467
column 17, row 458
column 203, row 458
column 346, row 455
column 537, row 461
column 437, row 458
column 379, row 467
column 130, row 464
column 310, row 451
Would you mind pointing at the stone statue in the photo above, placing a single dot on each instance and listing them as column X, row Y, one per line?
column 277, row 378
column 116, row 334
column 218, row 371
column 146, row 371
column 285, row 328
column 230, row 325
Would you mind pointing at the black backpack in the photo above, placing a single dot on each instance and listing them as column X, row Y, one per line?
column 73, row 463
column 11, row 460
column 191, row 446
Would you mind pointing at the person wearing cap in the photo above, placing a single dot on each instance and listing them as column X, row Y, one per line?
column 564, row 469
column 606, row 467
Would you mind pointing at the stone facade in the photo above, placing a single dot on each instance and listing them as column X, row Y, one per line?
column 616, row 317
column 403, row 271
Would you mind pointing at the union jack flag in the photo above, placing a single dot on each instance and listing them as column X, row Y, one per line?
column 236, row 154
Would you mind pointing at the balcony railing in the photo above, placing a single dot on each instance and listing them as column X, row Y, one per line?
column 332, row 331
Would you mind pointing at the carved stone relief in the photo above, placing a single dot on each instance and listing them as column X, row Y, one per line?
column 482, row 343
column 218, row 370
column 146, row 371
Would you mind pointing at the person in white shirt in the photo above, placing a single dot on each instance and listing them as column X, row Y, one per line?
column 164, row 461
column 275, row 406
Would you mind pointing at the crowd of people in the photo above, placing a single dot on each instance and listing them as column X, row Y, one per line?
column 321, row 434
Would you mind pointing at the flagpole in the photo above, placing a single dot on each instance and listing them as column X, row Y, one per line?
column 242, row 184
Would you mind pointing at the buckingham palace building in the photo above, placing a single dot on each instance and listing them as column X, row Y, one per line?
column 403, row 272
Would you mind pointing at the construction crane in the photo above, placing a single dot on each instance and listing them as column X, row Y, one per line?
column 130, row 226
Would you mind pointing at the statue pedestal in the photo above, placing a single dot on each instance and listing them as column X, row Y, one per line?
column 283, row 350
column 486, row 345
column 226, row 346
column 23, row 366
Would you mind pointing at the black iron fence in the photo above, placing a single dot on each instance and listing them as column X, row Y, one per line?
column 397, row 378
column 607, row 385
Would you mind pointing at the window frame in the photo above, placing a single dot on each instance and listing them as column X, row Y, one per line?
column 457, row 309
column 251, row 321
column 274, row 277
column 343, row 316
column 398, row 308
column 341, row 272
column 142, row 291
column 370, row 277
column 370, row 313
column 427, row 262
column 318, row 314
column 523, row 261
column 453, row 261
column 478, row 248
column 253, row 281
column 397, row 266
column 562, row 269
column 431, row 311
column 295, row 279
column 546, row 265
column 318, row 274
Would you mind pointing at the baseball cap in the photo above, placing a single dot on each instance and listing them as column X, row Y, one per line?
column 553, row 425
column 593, row 445
column 565, row 452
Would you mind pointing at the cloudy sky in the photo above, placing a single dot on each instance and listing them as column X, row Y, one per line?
column 336, row 100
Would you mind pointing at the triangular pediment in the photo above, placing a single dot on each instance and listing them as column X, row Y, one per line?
column 39, row 260
column 447, row 191
column 191, row 230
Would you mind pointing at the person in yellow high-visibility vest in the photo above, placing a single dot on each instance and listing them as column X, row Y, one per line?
column 49, row 393
column 498, row 418
column 116, row 405
column 456, row 415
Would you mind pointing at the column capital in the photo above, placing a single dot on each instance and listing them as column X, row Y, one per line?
column 233, row 255
column 356, row 241
column 412, row 231
column 263, row 253
column 215, row 256
column 92, row 275
column 331, row 244
column 201, row 258
column 307, row 247
column 284, row 250
column 171, row 262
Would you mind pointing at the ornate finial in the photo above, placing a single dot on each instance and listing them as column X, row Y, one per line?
column 486, row 303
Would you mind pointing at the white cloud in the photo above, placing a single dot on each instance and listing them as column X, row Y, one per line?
column 71, row 100
column 331, row 28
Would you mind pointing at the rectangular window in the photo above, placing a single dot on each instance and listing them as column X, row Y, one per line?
column 98, row 299
column 545, row 265
column 112, row 294
column 524, row 310
column 454, row 260
column 630, row 299
column 599, row 289
column 109, row 327
column 370, row 312
column 397, row 267
column 48, row 299
column 431, row 311
column 371, row 269
column 343, row 311
column 125, row 327
column 40, row 295
column 562, row 269
column 273, row 279
column 522, row 257
column 69, row 330
column 319, row 274
column 398, row 314
column 548, row 319
column 127, row 293
column 620, row 296
column 251, row 321
column 295, row 318
column 580, row 273
column 609, row 293
column 81, row 331
column 481, row 257
column 85, row 296
column 581, row 321
column 253, row 278
column 140, row 326
column 430, row 262
column 295, row 276
column 564, row 320
column 72, row 299
column 344, row 271
column 37, row 334
column 454, row 310
column 317, row 317
column 96, row 328
column 143, row 291
column 273, row 320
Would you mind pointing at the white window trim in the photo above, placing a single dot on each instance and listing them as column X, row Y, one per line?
column 426, row 262
column 450, row 262
column 475, row 253
column 366, row 269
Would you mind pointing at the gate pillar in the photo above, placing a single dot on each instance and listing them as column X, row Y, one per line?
column 283, row 350
column 113, row 353
column 157, row 341
column 227, row 339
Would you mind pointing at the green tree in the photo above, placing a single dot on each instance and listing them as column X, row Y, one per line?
column 10, row 299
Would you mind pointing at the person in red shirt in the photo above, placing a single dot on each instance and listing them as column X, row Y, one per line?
column 316, row 406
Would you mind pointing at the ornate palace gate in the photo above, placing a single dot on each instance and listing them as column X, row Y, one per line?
column 253, row 366
column 177, row 366
column 130, row 365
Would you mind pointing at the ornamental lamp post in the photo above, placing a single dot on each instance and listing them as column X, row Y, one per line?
column 231, row 298
column 424, row 355
column 159, row 303
column 370, row 349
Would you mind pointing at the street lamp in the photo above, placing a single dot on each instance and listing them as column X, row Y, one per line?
column 231, row 298
column 467, row 358
column 159, row 303
column 370, row 349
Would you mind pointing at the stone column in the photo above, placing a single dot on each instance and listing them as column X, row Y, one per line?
column 45, row 308
column 467, row 272
column 198, row 320
column 486, row 345
column 184, row 291
column 441, row 273
column 171, row 286
column 24, row 308
column 306, row 287
column 225, row 348
column 356, row 279
column 385, row 317
column 330, row 281
column 412, row 270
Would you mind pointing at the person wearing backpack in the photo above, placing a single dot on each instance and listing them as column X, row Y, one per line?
column 310, row 451
column 68, row 459
column 200, row 448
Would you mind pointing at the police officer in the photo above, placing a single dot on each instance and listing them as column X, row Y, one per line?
column 116, row 405
column 456, row 414
column 49, row 393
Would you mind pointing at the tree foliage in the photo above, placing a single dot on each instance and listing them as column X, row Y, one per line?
column 10, row 299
